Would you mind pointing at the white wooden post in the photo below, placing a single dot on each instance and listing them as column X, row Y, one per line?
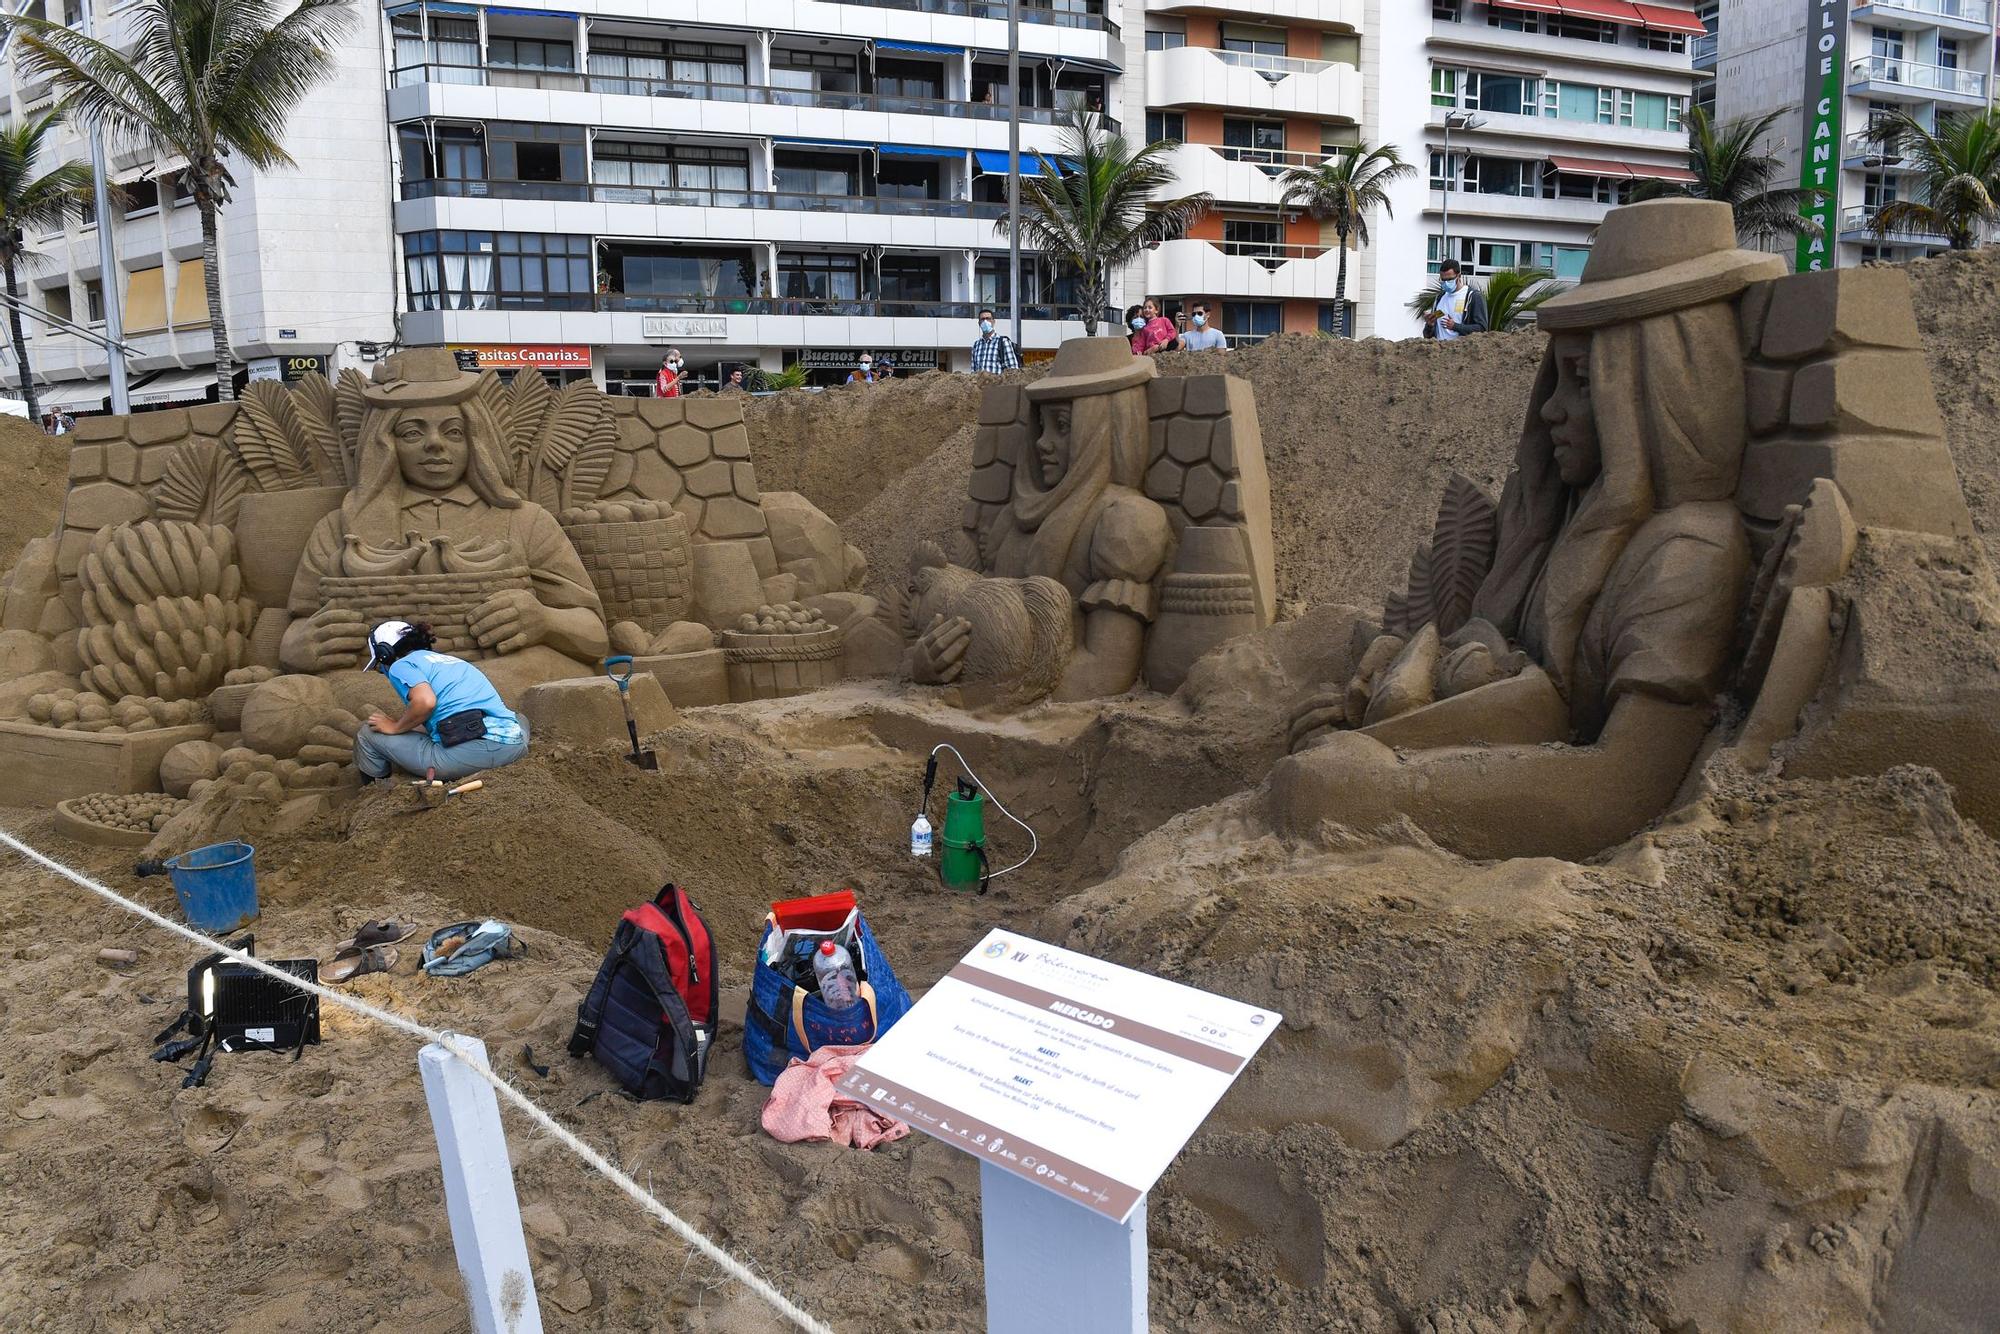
column 479, row 1190
column 1054, row 1267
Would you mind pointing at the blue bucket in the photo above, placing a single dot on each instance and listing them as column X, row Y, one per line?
column 217, row 886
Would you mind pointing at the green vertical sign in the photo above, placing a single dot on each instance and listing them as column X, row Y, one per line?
column 1819, row 160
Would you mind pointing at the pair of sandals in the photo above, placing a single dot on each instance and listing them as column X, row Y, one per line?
column 371, row 950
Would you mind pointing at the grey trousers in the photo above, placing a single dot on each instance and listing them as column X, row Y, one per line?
column 377, row 755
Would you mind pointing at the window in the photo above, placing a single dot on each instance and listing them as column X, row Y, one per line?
column 531, row 53
column 519, row 151
column 1253, row 39
column 1877, row 189
column 911, row 278
column 708, row 62
column 1477, row 255
column 1947, row 53
column 819, row 277
column 1648, row 111
column 1040, row 283
column 1446, row 11
column 909, row 78
column 1482, row 90
column 1256, row 238
column 907, row 178
column 450, row 54
column 56, row 302
column 818, row 173
column 1887, row 43
column 1654, row 40
column 87, row 212
column 1444, row 86
column 1165, row 40
column 1442, row 179
column 1170, row 126
column 141, row 198
column 815, row 71
column 504, row 270
column 1251, row 321
column 1501, row 176
column 681, row 271
column 636, row 65
column 1580, row 185
column 93, row 301
column 454, row 157
column 649, row 172
column 183, row 190
column 1565, row 261
column 1330, row 321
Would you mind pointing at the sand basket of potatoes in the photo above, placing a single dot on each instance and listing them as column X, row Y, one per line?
column 445, row 601
column 639, row 558
column 782, row 651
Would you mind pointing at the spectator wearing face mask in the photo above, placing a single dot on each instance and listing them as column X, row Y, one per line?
column 1151, row 331
column 667, row 384
column 864, row 372
column 1460, row 307
column 993, row 352
column 1203, row 337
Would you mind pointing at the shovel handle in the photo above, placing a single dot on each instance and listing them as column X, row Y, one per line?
column 463, row 788
column 612, row 666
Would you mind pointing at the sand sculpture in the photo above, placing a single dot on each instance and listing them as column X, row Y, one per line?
column 1117, row 527
column 1709, row 442
column 204, row 552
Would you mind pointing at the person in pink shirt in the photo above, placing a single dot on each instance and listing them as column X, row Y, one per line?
column 1151, row 331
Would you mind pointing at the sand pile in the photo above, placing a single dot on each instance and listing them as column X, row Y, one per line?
column 36, row 466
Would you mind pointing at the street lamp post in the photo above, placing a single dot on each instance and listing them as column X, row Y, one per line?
column 1453, row 120
column 1014, row 167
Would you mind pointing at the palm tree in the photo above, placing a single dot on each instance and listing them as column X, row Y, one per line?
column 1728, row 168
column 1958, row 176
column 1344, row 190
column 1103, row 211
column 28, row 200
column 1511, row 295
column 206, row 79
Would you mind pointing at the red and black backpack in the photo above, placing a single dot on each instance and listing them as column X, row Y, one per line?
column 650, row 1015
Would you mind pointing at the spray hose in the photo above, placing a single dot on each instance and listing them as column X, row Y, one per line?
column 978, row 849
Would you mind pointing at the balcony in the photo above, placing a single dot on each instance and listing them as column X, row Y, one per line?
column 674, row 196
column 1886, row 79
column 1858, row 224
column 1866, row 154
column 1703, row 50
column 1066, row 17
column 1244, row 269
column 1525, row 208
column 1345, row 14
column 1196, row 76
column 1234, row 174
column 1969, row 16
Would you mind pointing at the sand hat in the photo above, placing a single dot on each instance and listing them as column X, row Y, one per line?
column 1660, row 256
column 1086, row 366
column 420, row 377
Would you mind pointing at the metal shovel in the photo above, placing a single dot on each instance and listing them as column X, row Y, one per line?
column 619, row 668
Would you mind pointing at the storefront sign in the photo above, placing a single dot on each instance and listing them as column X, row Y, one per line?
column 263, row 368
column 907, row 360
column 675, row 328
column 298, row 365
column 1819, row 162
column 519, row 356
column 1078, row 1075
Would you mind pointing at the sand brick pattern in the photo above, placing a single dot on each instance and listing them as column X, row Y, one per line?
column 692, row 454
column 446, row 601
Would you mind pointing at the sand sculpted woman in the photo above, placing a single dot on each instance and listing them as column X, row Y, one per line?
column 432, row 496
column 1620, row 567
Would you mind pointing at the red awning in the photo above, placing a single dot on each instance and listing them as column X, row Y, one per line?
column 1605, row 11
column 1665, row 18
column 1532, row 6
column 1603, row 166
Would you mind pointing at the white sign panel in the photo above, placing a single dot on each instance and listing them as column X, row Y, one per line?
column 672, row 328
column 1034, row 1059
column 263, row 368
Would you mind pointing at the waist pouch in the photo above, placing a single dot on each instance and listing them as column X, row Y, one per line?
column 788, row 1022
column 461, row 727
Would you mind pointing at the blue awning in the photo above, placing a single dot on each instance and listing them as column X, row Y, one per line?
column 919, row 150
column 994, row 163
column 925, row 47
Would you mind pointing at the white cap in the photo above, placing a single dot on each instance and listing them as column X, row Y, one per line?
column 382, row 641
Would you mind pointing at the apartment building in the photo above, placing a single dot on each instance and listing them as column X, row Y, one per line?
column 307, row 269
column 1928, row 58
column 758, row 184
column 1249, row 89
column 1529, row 120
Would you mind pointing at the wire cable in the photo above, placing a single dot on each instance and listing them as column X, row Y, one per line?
column 1034, row 842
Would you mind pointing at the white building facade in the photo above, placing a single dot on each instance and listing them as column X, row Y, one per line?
column 1929, row 58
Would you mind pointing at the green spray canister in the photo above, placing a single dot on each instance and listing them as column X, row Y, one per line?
column 963, row 865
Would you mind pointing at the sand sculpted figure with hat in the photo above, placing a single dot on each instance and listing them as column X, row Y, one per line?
column 1566, row 709
column 1078, row 518
column 432, row 497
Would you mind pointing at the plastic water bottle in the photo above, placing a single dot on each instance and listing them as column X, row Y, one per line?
column 835, row 971
column 920, row 837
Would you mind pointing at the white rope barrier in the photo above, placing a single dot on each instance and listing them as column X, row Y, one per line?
column 728, row 1263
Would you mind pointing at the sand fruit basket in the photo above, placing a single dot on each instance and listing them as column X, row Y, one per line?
column 116, row 820
column 639, row 559
column 445, row 601
column 781, row 651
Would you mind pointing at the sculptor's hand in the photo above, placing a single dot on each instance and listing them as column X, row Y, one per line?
column 510, row 621
column 382, row 722
column 1316, row 716
column 938, row 656
column 335, row 639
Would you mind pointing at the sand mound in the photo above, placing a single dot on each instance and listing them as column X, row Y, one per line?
column 36, row 467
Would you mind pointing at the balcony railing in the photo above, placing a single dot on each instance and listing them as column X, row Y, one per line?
column 1702, row 49
column 997, row 9
column 1872, row 152
column 1863, row 220
column 1263, row 64
column 1275, row 159
column 1921, row 78
column 785, row 201
column 1270, row 254
column 857, row 308
column 1966, row 11
column 621, row 85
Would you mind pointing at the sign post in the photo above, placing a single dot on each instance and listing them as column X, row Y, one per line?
column 1034, row 1059
column 1820, row 150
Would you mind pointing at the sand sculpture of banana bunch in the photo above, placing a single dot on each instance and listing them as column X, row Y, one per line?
column 163, row 610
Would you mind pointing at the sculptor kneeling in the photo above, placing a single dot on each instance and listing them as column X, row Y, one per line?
column 453, row 724
column 1564, row 715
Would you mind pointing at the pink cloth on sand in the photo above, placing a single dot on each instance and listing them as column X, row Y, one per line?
column 805, row 1105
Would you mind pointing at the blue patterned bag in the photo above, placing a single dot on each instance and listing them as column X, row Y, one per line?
column 788, row 1022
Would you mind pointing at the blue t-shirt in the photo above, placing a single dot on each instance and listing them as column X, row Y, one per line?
column 459, row 686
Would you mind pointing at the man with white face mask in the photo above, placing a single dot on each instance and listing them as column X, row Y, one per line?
column 1460, row 308
column 1201, row 335
column 667, row 384
column 993, row 352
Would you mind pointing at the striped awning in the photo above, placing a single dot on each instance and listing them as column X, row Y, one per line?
column 1603, row 166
